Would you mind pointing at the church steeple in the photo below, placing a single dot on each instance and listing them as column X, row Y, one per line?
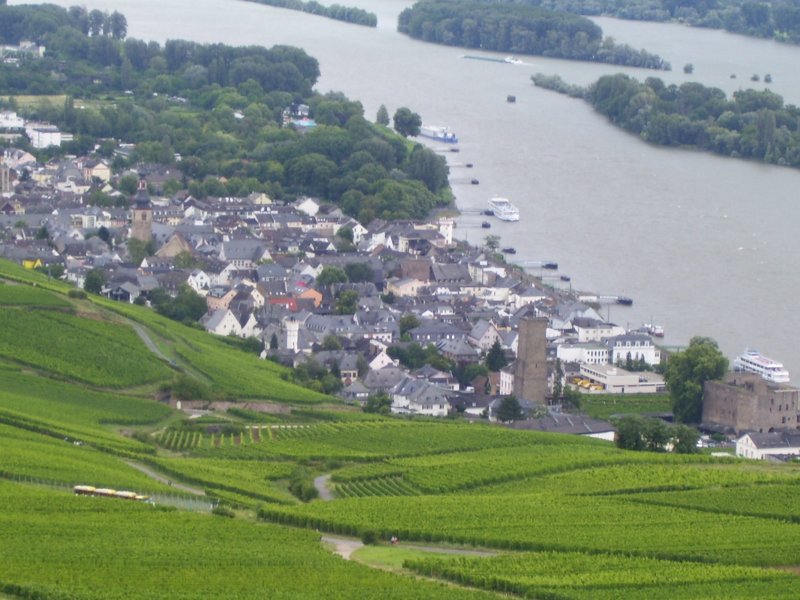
column 142, row 225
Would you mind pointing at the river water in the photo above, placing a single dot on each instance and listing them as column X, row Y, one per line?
column 705, row 245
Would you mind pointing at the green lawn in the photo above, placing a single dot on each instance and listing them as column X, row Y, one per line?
column 603, row 406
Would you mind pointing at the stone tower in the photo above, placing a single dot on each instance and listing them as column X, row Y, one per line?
column 530, row 372
column 142, row 225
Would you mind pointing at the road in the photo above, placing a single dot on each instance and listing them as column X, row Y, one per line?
column 321, row 483
column 159, row 477
column 148, row 341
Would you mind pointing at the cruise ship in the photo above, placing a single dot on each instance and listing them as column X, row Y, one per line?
column 503, row 209
column 753, row 361
column 440, row 134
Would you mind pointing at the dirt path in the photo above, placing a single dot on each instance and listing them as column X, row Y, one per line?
column 148, row 341
column 163, row 479
column 321, row 483
column 344, row 547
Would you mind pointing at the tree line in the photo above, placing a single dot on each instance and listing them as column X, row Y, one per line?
column 751, row 124
column 520, row 29
column 217, row 114
column 778, row 19
column 348, row 14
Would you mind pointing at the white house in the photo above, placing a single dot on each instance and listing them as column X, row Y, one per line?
column 589, row 330
column 199, row 281
column 418, row 397
column 483, row 335
column 636, row 345
column 221, row 322
column 307, row 205
column 507, row 380
column 382, row 360
column 762, row 446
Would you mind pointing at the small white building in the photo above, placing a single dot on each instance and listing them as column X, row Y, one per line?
column 762, row 446
column 589, row 353
column 619, row 381
column 589, row 330
column 637, row 346
column 43, row 135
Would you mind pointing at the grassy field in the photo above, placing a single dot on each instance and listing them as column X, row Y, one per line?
column 603, row 406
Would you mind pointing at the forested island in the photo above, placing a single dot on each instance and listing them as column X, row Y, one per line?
column 518, row 29
column 779, row 19
column 348, row 14
column 752, row 124
column 220, row 114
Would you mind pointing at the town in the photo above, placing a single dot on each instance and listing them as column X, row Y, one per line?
column 395, row 317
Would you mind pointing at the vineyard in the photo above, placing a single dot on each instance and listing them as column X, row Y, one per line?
column 556, row 522
column 578, row 576
column 565, row 517
column 84, row 350
column 30, row 297
column 98, row 548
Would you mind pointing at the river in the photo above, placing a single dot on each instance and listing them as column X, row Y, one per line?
column 705, row 245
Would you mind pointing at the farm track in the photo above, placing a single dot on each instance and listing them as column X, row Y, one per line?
column 163, row 479
column 321, row 483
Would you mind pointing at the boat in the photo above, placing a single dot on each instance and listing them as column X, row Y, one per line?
column 440, row 134
column 566, row 278
column 511, row 99
column 486, row 225
column 474, row 181
column 512, row 60
column 503, row 209
column 654, row 330
column 553, row 266
column 752, row 361
column 509, row 250
column 624, row 301
column 488, row 213
column 767, row 78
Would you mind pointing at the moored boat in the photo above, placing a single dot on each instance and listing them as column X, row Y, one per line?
column 439, row 134
column 752, row 361
column 503, row 209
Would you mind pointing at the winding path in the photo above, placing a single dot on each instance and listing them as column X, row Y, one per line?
column 148, row 341
column 345, row 547
column 321, row 483
column 159, row 477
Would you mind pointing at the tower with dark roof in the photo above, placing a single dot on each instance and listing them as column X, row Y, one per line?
column 142, row 223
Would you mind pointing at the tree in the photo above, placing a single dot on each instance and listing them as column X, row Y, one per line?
column 329, row 276
column 104, row 234
column 629, row 433
column 686, row 373
column 347, row 303
column 407, row 323
column 138, row 250
column 379, row 403
column 684, row 439
column 496, row 358
column 331, row 342
column 94, row 281
column 358, row 272
column 406, row 122
column 656, row 435
column 557, row 385
column 491, row 242
column 383, row 116
column 509, row 410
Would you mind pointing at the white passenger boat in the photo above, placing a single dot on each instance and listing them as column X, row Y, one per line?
column 503, row 209
column 753, row 361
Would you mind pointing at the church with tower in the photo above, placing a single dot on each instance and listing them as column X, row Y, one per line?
column 142, row 221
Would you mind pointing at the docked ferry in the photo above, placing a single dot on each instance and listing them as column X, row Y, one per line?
column 503, row 209
column 753, row 361
column 439, row 134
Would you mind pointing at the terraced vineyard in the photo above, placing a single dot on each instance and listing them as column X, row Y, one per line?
column 84, row 350
column 25, row 295
column 578, row 576
column 100, row 548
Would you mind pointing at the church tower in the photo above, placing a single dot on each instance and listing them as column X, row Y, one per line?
column 142, row 225
column 530, row 375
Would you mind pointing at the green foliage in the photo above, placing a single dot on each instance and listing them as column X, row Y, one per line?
column 414, row 356
column 346, row 303
column 496, row 358
column 408, row 322
column 752, row 124
column 637, row 433
column 94, row 281
column 358, row 272
column 686, row 373
column 349, row 14
column 382, row 117
column 330, row 275
column 187, row 306
column 139, row 250
column 25, row 295
column 379, row 404
column 406, row 122
column 509, row 410
column 519, row 28
column 187, row 388
column 301, row 484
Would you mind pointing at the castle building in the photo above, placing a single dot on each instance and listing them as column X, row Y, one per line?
column 744, row 402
